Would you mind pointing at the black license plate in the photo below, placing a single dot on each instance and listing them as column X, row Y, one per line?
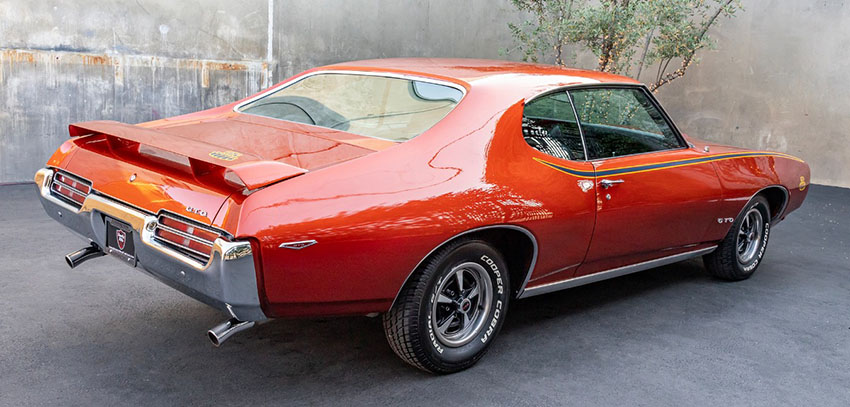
column 119, row 241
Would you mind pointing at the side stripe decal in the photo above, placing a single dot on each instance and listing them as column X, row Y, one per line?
column 662, row 165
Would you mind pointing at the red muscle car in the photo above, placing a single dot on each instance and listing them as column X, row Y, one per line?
column 432, row 191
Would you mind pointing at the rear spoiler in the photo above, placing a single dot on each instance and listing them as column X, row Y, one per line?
column 206, row 160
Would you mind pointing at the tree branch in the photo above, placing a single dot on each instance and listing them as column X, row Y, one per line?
column 688, row 59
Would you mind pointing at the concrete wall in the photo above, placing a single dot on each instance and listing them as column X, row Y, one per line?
column 778, row 81
column 775, row 81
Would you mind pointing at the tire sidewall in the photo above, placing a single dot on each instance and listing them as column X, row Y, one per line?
column 750, row 267
column 487, row 257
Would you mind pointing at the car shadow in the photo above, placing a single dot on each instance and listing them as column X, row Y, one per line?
column 529, row 312
column 354, row 347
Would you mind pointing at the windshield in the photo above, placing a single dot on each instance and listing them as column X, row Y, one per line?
column 375, row 106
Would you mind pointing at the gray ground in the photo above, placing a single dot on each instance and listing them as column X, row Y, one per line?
column 104, row 334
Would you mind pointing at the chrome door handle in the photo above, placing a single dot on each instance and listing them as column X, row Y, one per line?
column 608, row 183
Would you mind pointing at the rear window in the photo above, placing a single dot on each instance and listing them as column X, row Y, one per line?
column 375, row 106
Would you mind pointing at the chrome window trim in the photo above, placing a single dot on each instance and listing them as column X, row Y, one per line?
column 578, row 124
column 614, row 85
column 683, row 144
column 612, row 273
column 392, row 75
column 478, row 229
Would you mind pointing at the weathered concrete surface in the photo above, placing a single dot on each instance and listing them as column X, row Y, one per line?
column 107, row 335
column 776, row 81
column 319, row 32
column 68, row 61
column 190, row 29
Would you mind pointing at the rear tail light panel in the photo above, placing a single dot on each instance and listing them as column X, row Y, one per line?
column 70, row 188
column 185, row 236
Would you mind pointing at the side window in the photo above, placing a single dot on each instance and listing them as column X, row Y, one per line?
column 619, row 122
column 550, row 126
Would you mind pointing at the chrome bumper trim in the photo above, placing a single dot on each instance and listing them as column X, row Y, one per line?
column 228, row 281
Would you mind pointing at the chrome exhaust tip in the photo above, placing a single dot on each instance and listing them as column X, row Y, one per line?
column 86, row 253
column 221, row 332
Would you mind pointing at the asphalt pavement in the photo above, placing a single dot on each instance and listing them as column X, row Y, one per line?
column 104, row 335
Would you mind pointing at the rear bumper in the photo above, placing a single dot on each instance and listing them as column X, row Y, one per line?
column 228, row 281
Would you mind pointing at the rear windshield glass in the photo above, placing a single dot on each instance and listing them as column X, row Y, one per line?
column 375, row 106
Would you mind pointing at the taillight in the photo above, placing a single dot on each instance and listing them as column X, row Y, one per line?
column 70, row 188
column 186, row 237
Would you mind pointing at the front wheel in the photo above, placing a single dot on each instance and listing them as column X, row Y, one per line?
column 739, row 254
column 446, row 316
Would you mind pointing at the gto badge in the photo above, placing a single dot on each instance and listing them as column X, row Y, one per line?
column 725, row 220
column 225, row 155
column 196, row 211
column 120, row 238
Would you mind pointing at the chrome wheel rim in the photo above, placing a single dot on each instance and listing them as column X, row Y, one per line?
column 461, row 304
column 750, row 235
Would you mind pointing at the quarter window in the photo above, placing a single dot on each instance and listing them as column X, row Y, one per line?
column 550, row 126
column 619, row 122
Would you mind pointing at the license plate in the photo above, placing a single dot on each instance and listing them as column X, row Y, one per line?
column 119, row 241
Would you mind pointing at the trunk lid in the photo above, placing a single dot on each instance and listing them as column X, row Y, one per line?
column 191, row 168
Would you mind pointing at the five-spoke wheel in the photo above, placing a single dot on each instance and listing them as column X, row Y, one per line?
column 749, row 235
column 740, row 252
column 463, row 302
column 451, row 308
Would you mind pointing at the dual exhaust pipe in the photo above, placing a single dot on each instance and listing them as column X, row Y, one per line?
column 217, row 335
column 221, row 332
column 86, row 253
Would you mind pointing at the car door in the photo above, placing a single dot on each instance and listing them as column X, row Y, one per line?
column 656, row 196
column 564, row 191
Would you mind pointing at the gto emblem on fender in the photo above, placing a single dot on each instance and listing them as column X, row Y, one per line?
column 225, row 155
column 725, row 220
column 196, row 211
column 297, row 245
column 120, row 238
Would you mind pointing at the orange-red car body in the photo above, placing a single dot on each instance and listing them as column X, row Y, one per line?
column 371, row 210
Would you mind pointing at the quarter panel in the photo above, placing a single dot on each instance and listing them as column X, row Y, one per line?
column 376, row 217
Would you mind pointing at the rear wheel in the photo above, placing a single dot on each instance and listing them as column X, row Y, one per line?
column 739, row 254
column 446, row 316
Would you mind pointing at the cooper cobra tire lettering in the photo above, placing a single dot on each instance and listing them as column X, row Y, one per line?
column 724, row 262
column 493, row 322
column 434, row 342
column 761, row 249
column 499, row 286
column 433, row 337
column 415, row 326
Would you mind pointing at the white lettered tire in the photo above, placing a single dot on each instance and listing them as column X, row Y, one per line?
column 740, row 253
column 448, row 313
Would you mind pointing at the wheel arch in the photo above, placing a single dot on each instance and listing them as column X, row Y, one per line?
column 777, row 197
column 504, row 239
